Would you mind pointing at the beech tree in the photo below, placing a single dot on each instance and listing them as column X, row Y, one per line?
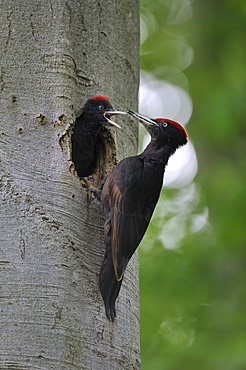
column 54, row 55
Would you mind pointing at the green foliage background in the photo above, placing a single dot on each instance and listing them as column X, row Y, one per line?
column 193, row 298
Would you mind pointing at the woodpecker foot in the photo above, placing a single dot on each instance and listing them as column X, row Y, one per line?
column 86, row 183
column 97, row 192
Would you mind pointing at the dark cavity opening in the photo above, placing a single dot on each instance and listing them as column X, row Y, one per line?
column 102, row 159
column 105, row 156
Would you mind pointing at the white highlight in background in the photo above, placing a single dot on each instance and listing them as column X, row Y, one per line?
column 162, row 99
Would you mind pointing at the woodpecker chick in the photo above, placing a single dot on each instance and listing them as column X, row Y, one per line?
column 97, row 112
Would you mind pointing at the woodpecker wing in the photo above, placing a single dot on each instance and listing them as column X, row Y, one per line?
column 129, row 198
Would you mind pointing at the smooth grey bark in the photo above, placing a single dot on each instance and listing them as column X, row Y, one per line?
column 53, row 56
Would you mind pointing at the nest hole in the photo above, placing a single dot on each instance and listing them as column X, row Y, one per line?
column 105, row 156
column 103, row 162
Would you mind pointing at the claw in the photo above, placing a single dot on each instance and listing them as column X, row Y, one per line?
column 86, row 185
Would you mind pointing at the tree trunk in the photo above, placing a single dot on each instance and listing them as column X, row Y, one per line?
column 53, row 56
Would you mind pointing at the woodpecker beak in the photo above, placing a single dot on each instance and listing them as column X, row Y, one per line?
column 111, row 113
column 146, row 121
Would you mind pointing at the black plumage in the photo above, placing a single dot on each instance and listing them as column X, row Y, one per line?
column 129, row 197
column 97, row 112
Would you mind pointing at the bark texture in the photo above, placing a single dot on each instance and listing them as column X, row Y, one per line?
column 55, row 54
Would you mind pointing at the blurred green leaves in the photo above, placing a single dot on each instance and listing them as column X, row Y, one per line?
column 193, row 257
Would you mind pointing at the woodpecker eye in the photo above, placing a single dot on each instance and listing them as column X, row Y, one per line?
column 164, row 124
column 101, row 107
